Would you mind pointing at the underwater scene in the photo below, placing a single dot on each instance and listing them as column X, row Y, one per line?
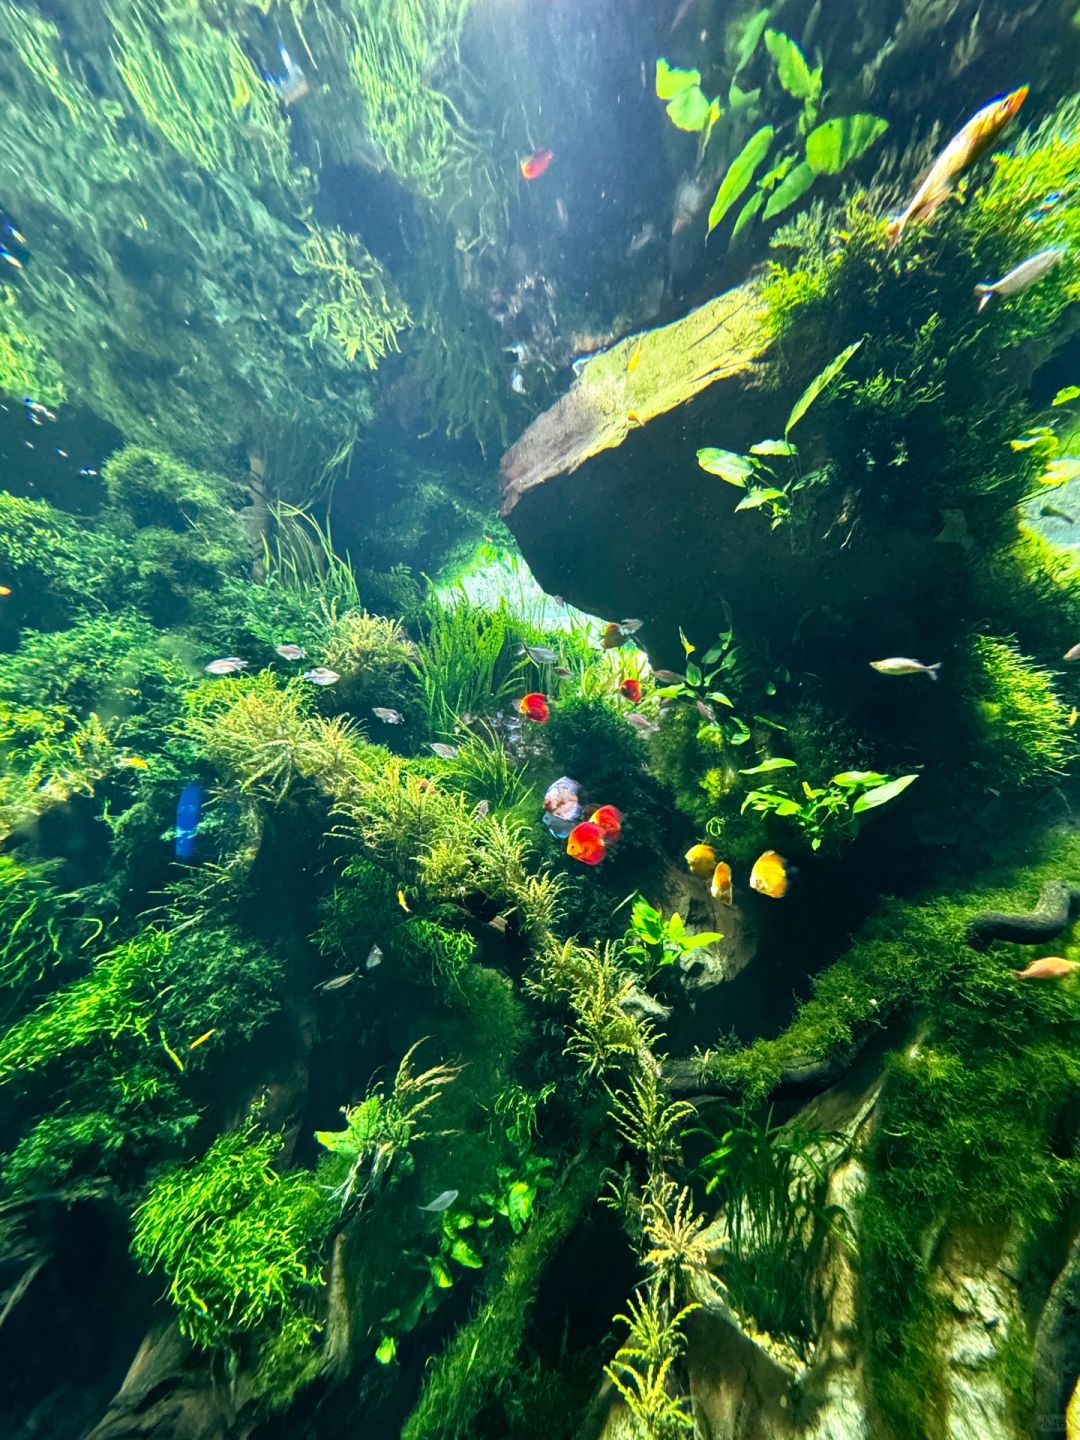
column 539, row 680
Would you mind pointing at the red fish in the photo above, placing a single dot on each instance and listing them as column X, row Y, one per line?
column 586, row 843
column 631, row 689
column 534, row 165
column 609, row 821
column 535, row 707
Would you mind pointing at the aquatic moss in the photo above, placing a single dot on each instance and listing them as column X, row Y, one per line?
column 238, row 1241
column 1020, row 735
column 25, row 367
column 155, row 488
column 49, row 554
column 353, row 305
column 480, row 1363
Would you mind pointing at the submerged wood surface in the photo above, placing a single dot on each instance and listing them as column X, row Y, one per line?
column 641, row 377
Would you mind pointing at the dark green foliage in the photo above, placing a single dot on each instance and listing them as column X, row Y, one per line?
column 237, row 1241
column 155, row 489
column 432, row 950
column 1019, row 731
column 30, row 928
column 357, row 912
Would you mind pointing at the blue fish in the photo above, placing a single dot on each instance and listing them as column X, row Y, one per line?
column 188, row 810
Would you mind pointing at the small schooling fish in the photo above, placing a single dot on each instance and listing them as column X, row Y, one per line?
column 720, row 885
column 535, row 707
column 962, row 151
column 320, row 675
column 388, row 716
column 444, row 752
column 227, row 665
column 534, row 165
column 338, row 982
column 440, row 1203
column 770, row 875
column 586, row 843
column 1050, row 967
column 291, row 652
column 374, row 958
column 1021, row 276
column 668, row 677
column 901, row 665
column 641, row 723
column 701, row 860
column 539, row 654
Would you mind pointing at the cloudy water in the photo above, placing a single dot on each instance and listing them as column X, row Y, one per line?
column 539, row 679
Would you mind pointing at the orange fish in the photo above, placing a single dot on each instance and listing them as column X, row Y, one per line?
column 613, row 635
column 701, row 860
column 720, row 888
column 608, row 820
column 535, row 707
column 1051, row 967
column 966, row 146
column 534, row 165
column 770, row 875
column 634, row 418
column 586, row 843
column 631, row 689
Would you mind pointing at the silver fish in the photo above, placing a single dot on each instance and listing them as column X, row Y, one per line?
column 901, row 665
column 227, row 665
column 1021, row 276
column 444, row 752
column 291, row 652
column 639, row 722
column 338, row 982
column 539, row 654
column 517, row 382
column 374, row 959
column 389, row 717
column 440, row 1203
column 667, row 677
column 320, row 675
column 563, row 671
column 483, row 808
column 630, row 627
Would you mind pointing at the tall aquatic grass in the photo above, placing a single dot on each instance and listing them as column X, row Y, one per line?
column 301, row 556
column 466, row 659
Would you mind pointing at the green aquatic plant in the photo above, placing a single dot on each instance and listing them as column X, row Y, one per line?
column 238, row 1241
column 428, row 948
column 380, row 1132
column 642, row 1368
column 1021, row 733
column 300, row 558
column 354, row 306
column 31, row 928
column 48, row 554
column 824, row 812
column 648, row 1119
column 654, row 942
column 155, row 488
column 484, row 769
column 465, row 659
column 48, row 758
column 25, row 366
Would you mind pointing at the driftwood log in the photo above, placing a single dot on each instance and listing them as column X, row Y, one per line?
column 1058, row 903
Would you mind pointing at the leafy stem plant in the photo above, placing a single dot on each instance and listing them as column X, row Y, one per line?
column 653, row 942
column 770, row 472
column 825, row 810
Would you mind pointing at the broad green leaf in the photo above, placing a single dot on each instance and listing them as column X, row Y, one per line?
column 738, row 732
column 464, row 1254
column 519, row 1204
column 882, row 795
column 671, row 81
column 703, row 937
column 387, row 1350
column 747, row 213
column 848, row 778
column 735, row 469
column 755, row 499
column 440, row 1274
column 340, row 1142
column 836, row 143
column 1071, row 392
column 691, row 109
column 817, row 385
column 693, row 673
column 749, row 36
column 773, row 447
column 1061, row 471
column 791, row 68
column 776, row 763
column 740, row 172
column 793, row 187
column 738, row 98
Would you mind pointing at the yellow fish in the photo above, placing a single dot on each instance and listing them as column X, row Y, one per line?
column 403, row 902
column 959, row 155
column 701, row 860
column 720, row 888
column 770, row 875
column 173, row 1056
column 1074, row 715
column 202, row 1038
column 136, row 762
column 635, row 360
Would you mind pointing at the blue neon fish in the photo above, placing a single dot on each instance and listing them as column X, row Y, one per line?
column 188, row 810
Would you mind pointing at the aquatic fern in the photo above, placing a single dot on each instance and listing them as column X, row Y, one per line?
column 647, row 1117
column 641, row 1369
column 237, row 1240
column 353, row 305
column 603, row 1034
column 677, row 1256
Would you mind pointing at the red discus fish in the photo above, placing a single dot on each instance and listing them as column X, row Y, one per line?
column 586, row 843
column 534, row 165
column 631, row 689
column 535, row 707
column 609, row 821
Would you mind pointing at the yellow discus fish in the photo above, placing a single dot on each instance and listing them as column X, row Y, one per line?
column 770, row 875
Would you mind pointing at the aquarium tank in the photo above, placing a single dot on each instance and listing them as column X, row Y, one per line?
column 539, row 681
